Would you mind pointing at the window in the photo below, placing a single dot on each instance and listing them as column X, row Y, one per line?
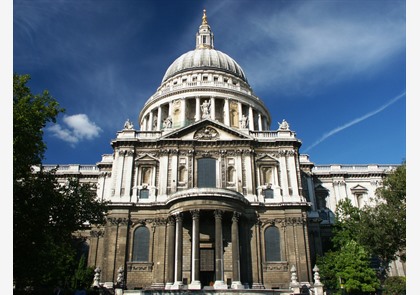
column 146, row 175
column 268, row 193
column 267, row 175
column 231, row 174
column 206, row 172
column 272, row 244
column 182, row 174
column 144, row 193
column 141, row 244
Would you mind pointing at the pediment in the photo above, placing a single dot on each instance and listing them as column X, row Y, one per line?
column 266, row 159
column 359, row 188
column 206, row 130
column 144, row 157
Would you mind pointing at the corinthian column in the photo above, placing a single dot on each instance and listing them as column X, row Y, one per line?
column 236, row 276
column 218, row 241
column 170, row 252
column 178, row 253
column 195, row 273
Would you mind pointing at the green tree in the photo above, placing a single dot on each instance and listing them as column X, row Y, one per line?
column 383, row 225
column 375, row 231
column 348, row 268
column 45, row 213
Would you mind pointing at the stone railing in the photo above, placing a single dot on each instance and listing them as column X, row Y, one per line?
column 164, row 90
column 354, row 168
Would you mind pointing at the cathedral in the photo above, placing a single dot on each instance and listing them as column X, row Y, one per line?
column 205, row 195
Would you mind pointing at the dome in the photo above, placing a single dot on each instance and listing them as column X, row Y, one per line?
column 204, row 58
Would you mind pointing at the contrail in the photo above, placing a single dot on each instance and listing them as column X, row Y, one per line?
column 355, row 121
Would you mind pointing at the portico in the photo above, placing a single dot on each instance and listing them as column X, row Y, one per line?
column 214, row 248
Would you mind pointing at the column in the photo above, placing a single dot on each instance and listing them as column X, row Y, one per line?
column 120, row 170
column 219, row 283
column 212, row 108
column 259, row 122
column 129, row 172
column 150, row 127
column 170, row 252
column 197, row 109
column 226, row 118
column 178, row 253
column 251, row 119
column 182, row 115
column 159, row 118
column 236, row 275
column 195, row 247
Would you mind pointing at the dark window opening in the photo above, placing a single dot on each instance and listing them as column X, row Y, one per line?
column 272, row 244
column 206, row 172
column 141, row 244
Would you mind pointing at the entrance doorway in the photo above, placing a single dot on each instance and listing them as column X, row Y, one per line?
column 207, row 271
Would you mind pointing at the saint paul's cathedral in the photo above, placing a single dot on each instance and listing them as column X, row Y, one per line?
column 203, row 194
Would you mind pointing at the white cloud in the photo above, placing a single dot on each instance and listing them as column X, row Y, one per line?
column 355, row 121
column 78, row 128
column 300, row 47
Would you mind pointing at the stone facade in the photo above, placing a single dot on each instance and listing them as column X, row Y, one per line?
column 205, row 195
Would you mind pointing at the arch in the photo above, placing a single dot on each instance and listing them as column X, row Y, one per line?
column 231, row 174
column 272, row 244
column 182, row 177
column 141, row 241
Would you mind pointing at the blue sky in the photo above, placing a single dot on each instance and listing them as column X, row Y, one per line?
column 335, row 70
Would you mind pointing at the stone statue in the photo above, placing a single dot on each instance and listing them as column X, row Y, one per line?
column 205, row 109
column 97, row 276
column 244, row 122
column 128, row 124
column 283, row 125
column 120, row 277
column 167, row 123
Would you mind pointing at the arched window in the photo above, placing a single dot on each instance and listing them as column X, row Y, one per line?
column 272, row 244
column 141, row 244
column 267, row 173
column 206, row 172
column 182, row 177
column 231, row 174
column 146, row 175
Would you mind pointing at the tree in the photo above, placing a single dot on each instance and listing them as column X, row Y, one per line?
column 45, row 213
column 360, row 234
column 348, row 268
column 384, row 223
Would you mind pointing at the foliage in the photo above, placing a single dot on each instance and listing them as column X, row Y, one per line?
column 350, row 265
column 381, row 227
column 388, row 218
column 360, row 234
column 395, row 286
column 31, row 113
column 83, row 274
column 45, row 214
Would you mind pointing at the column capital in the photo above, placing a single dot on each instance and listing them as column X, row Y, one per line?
column 235, row 216
column 178, row 216
column 195, row 213
column 218, row 213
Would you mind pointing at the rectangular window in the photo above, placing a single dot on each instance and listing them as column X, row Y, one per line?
column 144, row 194
column 206, row 172
column 268, row 193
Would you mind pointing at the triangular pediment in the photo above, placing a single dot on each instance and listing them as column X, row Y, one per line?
column 144, row 157
column 358, row 188
column 266, row 159
column 206, row 130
